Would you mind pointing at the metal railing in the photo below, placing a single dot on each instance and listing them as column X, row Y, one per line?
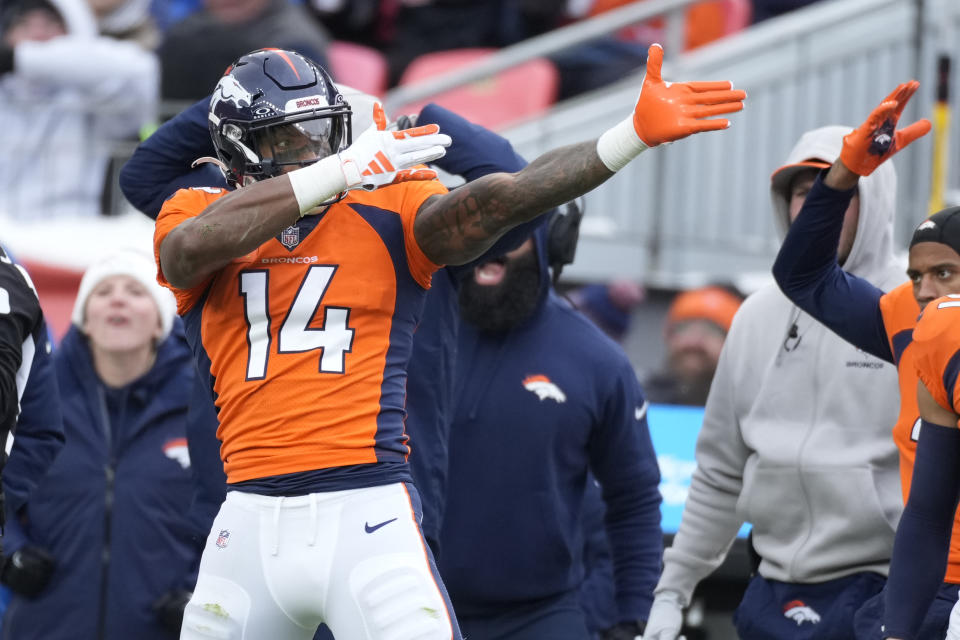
column 699, row 209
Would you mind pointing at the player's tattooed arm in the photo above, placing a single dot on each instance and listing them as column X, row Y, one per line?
column 230, row 227
column 459, row 226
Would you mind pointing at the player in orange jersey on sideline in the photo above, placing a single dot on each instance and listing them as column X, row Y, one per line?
column 883, row 324
column 922, row 544
column 301, row 291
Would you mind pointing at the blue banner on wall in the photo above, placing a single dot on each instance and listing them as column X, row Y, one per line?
column 674, row 430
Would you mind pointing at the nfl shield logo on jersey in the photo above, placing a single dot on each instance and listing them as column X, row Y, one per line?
column 290, row 237
column 222, row 538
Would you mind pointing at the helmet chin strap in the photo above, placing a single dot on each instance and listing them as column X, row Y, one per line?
column 224, row 170
column 209, row 160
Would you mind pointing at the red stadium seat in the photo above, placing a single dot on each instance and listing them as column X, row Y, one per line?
column 521, row 92
column 739, row 13
column 360, row 67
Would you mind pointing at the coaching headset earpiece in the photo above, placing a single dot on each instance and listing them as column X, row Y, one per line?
column 563, row 232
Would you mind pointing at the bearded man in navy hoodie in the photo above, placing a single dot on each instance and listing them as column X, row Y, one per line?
column 542, row 398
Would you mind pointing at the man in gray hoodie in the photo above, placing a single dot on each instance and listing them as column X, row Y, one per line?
column 787, row 446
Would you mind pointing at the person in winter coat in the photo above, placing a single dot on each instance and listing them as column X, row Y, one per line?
column 693, row 333
column 543, row 397
column 111, row 514
column 29, row 405
column 789, row 445
column 66, row 95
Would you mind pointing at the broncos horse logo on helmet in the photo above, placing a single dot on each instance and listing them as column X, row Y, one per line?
column 275, row 110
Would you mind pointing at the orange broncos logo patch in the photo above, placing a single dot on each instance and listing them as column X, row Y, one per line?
column 544, row 388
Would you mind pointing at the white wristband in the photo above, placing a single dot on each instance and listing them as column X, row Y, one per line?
column 619, row 145
column 317, row 183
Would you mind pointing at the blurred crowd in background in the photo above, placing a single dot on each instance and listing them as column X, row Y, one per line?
column 92, row 74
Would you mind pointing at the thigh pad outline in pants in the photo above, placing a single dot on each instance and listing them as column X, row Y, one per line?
column 220, row 606
column 398, row 600
column 218, row 610
column 390, row 590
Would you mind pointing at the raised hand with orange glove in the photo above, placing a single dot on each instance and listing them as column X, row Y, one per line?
column 375, row 159
column 667, row 111
column 876, row 140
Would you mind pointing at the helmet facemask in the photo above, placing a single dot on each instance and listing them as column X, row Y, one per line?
column 297, row 143
column 273, row 148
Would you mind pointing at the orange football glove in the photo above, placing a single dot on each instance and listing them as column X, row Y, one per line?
column 873, row 142
column 666, row 112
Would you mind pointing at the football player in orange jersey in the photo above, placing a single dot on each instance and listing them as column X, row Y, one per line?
column 922, row 544
column 300, row 292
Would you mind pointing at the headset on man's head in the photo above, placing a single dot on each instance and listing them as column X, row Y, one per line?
column 563, row 232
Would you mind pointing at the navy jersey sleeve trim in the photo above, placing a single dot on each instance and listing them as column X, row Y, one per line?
column 901, row 341
column 950, row 374
column 806, row 270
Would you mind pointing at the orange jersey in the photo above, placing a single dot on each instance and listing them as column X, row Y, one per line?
column 937, row 340
column 307, row 338
column 900, row 311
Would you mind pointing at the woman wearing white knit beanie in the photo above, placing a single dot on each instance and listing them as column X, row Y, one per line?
column 107, row 542
column 125, row 315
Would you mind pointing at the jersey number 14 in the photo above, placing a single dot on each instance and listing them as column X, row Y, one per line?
column 334, row 339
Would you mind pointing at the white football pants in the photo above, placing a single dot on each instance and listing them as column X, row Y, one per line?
column 274, row 568
column 953, row 630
